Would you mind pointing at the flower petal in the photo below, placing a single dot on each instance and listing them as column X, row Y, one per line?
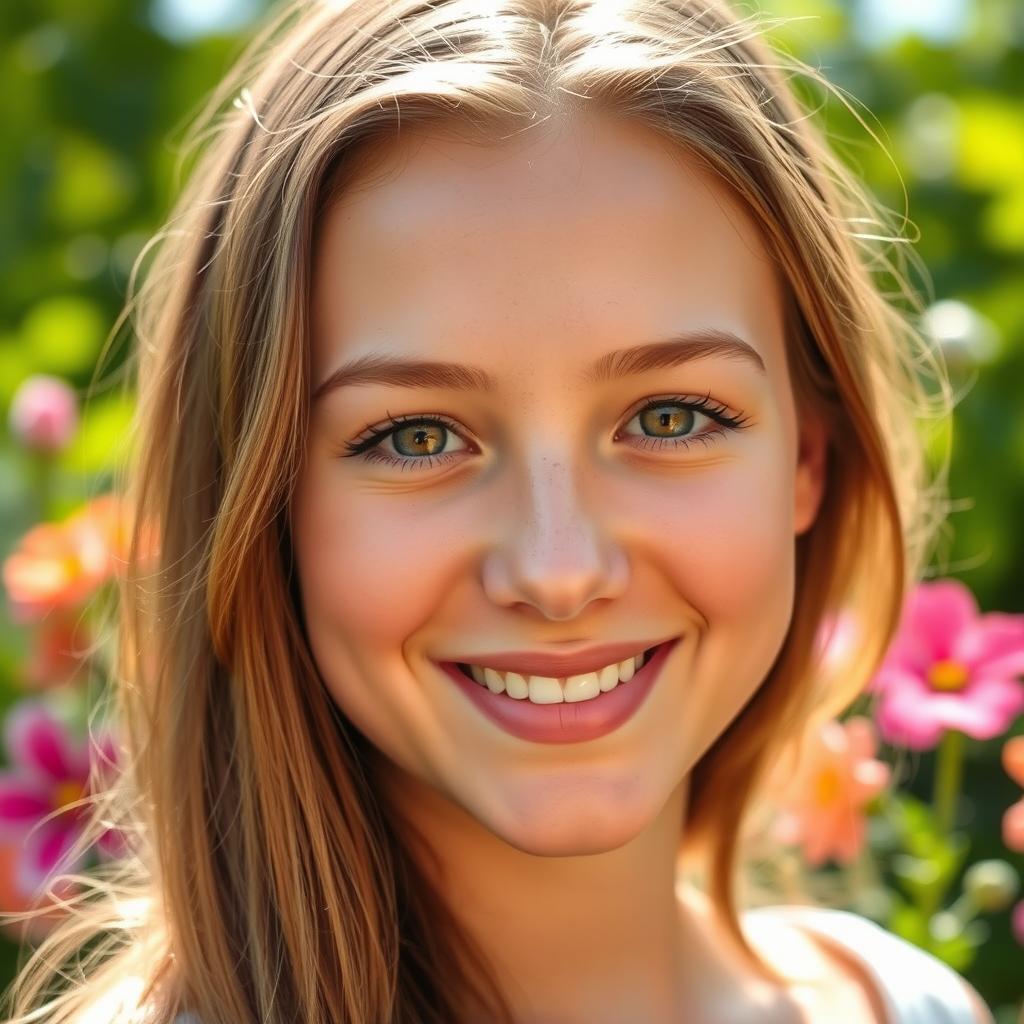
column 870, row 778
column 906, row 717
column 44, row 855
column 935, row 614
column 861, row 736
column 1013, row 827
column 1013, row 759
column 22, row 803
column 973, row 718
column 39, row 742
column 994, row 644
column 113, row 844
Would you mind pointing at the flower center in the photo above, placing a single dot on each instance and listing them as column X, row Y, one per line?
column 828, row 787
column 947, row 676
column 65, row 793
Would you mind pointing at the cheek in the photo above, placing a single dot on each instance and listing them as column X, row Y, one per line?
column 735, row 540
column 723, row 537
column 367, row 562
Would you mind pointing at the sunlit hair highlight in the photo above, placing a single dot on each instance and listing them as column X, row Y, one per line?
column 268, row 881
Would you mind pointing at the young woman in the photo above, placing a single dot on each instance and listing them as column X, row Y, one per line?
column 517, row 396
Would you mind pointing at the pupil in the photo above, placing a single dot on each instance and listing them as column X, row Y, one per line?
column 675, row 420
column 421, row 437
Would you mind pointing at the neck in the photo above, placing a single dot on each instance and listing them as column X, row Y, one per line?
column 602, row 937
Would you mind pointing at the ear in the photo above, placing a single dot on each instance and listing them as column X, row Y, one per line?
column 809, row 484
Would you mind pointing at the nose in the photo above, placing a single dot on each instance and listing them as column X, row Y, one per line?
column 554, row 552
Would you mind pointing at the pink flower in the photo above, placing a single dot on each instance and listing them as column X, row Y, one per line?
column 1017, row 922
column 822, row 807
column 13, row 901
column 49, row 774
column 44, row 413
column 949, row 668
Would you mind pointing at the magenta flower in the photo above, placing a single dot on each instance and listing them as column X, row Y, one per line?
column 1017, row 922
column 949, row 668
column 48, row 775
column 44, row 413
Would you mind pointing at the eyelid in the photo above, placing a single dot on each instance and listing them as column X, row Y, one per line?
column 703, row 403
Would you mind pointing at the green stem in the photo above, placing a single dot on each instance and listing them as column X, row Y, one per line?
column 42, row 480
column 948, row 771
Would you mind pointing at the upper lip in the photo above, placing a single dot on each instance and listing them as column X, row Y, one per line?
column 558, row 665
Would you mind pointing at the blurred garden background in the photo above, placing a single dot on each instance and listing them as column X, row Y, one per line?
column 97, row 96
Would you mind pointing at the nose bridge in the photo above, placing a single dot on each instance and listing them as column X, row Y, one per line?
column 554, row 551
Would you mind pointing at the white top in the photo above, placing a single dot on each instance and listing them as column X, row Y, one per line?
column 915, row 986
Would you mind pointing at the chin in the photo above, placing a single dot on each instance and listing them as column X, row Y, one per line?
column 570, row 827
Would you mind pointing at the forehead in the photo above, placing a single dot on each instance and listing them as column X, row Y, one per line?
column 596, row 229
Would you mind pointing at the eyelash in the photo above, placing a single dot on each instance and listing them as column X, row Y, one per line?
column 368, row 447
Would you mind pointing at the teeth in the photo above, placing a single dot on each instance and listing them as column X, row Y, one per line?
column 551, row 690
column 544, row 690
column 608, row 678
column 516, row 686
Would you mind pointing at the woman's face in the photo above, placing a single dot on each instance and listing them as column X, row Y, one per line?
column 550, row 512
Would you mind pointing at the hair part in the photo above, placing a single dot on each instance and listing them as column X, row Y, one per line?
column 267, row 881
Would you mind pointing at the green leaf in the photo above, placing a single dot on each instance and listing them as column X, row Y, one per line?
column 915, row 822
column 92, row 184
column 15, row 366
column 961, row 950
column 908, row 922
column 991, row 142
column 63, row 335
column 102, row 440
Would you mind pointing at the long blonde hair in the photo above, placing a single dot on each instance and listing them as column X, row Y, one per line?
column 267, row 880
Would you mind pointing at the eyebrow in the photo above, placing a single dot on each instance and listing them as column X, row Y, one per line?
column 380, row 368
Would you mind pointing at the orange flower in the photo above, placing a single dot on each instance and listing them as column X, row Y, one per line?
column 822, row 809
column 55, row 566
column 59, row 650
column 61, row 565
column 1013, row 759
column 114, row 518
column 1013, row 816
column 1013, row 827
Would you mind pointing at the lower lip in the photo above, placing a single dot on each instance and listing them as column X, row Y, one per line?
column 574, row 722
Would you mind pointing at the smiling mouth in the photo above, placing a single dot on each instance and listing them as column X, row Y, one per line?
column 538, row 689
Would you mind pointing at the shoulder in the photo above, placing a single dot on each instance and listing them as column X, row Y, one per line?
column 982, row 1014
column 826, row 982
column 900, row 981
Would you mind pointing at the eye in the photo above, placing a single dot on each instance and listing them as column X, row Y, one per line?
column 671, row 421
column 414, row 440
column 419, row 441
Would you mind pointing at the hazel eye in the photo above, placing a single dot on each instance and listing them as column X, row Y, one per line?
column 427, row 437
column 666, row 416
column 671, row 420
column 414, row 441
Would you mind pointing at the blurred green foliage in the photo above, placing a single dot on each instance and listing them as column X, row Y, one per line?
column 95, row 101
